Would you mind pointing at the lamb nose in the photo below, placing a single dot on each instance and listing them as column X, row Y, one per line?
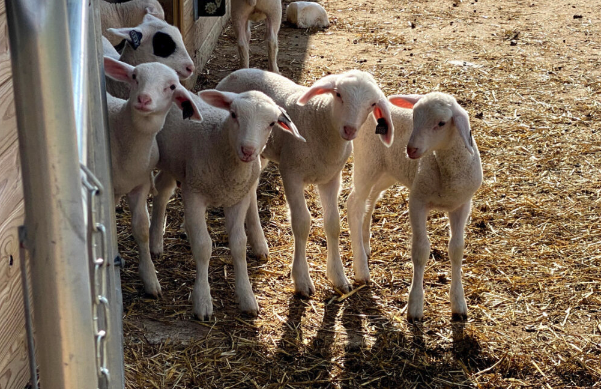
column 248, row 151
column 144, row 99
column 349, row 131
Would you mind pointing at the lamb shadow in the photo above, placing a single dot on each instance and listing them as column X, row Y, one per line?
column 314, row 362
column 380, row 352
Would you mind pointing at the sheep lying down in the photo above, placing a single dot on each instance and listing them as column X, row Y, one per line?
column 306, row 14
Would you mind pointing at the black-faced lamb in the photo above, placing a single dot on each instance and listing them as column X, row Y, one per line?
column 435, row 156
column 329, row 115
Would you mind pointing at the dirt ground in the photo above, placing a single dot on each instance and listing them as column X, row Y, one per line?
column 529, row 74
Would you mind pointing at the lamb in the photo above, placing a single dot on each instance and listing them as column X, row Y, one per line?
column 329, row 115
column 108, row 50
column 442, row 169
column 217, row 164
column 306, row 14
column 133, row 126
column 130, row 13
column 154, row 40
column 244, row 11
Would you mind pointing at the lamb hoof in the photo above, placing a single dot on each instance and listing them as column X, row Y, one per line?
column 344, row 288
column 152, row 287
column 340, row 282
column 362, row 276
column 250, row 307
column 459, row 317
column 156, row 254
column 203, row 310
column 414, row 320
column 154, row 291
column 304, row 288
column 262, row 254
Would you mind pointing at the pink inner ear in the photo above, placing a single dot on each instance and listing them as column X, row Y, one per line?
column 115, row 69
column 284, row 125
column 387, row 138
column 400, row 102
column 312, row 93
column 181, row 99
column 378, row 113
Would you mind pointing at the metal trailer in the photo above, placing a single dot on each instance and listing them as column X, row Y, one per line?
column 69, row 230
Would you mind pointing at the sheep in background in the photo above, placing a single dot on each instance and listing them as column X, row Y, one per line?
column 305, row 14
column 217, row 163
column 245, row 11
column 154, row 40
column 133, row 125
column 329, row 115
column 435, row 156
column 130, row 13
column 108, row 50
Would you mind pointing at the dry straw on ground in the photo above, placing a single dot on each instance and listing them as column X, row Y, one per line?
column 532, row 269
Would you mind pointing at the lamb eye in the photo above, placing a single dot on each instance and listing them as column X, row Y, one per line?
column 233, row 115
column 441, row 124
column 373, row 105
column 338, row 95
column 272, row 124
column 133, row 76
column 172, row 87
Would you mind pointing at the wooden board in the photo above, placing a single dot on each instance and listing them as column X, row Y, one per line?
column 8, row 121
column 14, row 370
column 4, row 51
column 14, row 367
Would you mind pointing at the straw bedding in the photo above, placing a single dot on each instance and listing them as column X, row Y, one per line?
column 528, row 73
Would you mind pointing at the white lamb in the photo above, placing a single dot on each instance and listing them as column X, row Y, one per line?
column 133, row 125
column 306, row 14
column 245, row 11
column 154, row 40
column 127, row 14
column 329, row 115
column 217, row 163
column 435, row 156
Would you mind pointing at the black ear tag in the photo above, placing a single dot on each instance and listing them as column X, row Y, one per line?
column 382, row 127
column 187, row 110
column 136, row 37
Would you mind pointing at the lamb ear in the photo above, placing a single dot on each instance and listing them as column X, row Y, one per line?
column 217, row 99
column 325, row 85
column 117, row 70
column 404, row 101
column 385, row 127
column 135, row 36
column 149, row 17
column 286, row 123
column 183, row 99
column 152, row 10
column 462, row 123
